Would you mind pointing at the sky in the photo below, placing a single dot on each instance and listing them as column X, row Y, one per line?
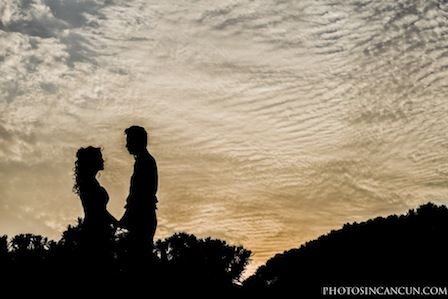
column 272, row 122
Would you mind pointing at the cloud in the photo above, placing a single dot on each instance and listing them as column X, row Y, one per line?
column 44, row 43
column 48, row 18
column 272, row 121
column 32, row 18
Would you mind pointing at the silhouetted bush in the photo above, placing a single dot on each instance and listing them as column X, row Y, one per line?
column 195, row 262
column 397, row 250
column 74, row 266
column 401, row 250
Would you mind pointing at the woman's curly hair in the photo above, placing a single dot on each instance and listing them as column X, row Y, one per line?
column 87, row 162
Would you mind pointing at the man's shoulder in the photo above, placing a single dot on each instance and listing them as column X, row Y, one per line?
column 147, row 160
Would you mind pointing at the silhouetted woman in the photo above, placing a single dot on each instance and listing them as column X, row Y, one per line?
column 95, row 247
column 98, row 222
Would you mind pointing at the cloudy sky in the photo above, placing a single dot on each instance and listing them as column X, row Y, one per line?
column 272, row 121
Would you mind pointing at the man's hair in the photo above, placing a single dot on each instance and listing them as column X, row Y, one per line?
column 137, row 133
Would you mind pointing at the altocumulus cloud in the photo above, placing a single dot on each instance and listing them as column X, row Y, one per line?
column 46, row 55
column 272, row 121
column 43, row 44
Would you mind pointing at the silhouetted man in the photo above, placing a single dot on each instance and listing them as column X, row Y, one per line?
column 140, row 214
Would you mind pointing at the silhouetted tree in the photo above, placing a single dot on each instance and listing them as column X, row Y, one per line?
column 3, row 247
column 201, row 263
column 397, row 250
column 4, row 256
column 28, row 256
column 181, row 262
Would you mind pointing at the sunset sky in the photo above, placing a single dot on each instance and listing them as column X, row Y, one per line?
column 272, row 122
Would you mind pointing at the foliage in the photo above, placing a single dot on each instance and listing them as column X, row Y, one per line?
column 180, row 262
column 405, row 249
column 397, row 250
column 205, row 260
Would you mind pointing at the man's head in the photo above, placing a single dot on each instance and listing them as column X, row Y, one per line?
column 136, row 139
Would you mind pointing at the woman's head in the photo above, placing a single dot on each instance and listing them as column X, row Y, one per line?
column 89, row 162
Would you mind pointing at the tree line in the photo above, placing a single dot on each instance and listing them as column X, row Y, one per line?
column 181, row 263
column 397, row 250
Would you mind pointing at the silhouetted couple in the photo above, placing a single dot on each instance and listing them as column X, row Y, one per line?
column 139, row 217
